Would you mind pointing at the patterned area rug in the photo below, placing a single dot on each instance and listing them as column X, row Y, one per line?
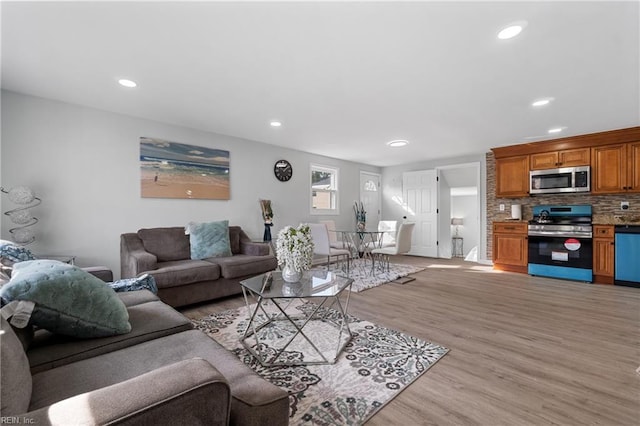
column 375, row 366
column 363, row 278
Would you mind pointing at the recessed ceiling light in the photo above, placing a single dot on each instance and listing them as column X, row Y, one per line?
column 398, row 143
column 127, row 83
column 275, row 124
column 512, row 30
column 556, row 130
column 541, row 102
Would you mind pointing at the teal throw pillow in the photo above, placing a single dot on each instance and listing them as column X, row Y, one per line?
column 68, row 300
column 210, row 239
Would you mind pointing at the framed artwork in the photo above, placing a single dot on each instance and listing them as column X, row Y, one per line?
column 177, row 170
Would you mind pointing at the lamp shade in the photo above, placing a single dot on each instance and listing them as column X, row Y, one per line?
column 456, row 221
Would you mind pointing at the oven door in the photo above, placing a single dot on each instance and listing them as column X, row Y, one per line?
column 566, row 251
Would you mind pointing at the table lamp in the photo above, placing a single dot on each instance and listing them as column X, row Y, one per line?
column 456, row 221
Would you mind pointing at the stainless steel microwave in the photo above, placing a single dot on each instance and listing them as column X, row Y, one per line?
column 566, row 179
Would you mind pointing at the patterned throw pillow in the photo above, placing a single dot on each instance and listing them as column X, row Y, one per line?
column 14, row 253
column 68, row 300
column 210, row 239
column 143, row 282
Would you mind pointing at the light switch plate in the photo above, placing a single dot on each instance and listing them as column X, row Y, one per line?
column 501, row 207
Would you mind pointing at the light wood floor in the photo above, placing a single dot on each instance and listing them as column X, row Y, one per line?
column 523, row 350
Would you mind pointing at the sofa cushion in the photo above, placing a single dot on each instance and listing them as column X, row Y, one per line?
column 234, row 239
column 253, row 397
column 242, row 265
column 149, row 321
column 15, row 377
column 67, row 299
column 210, row 239
column 130, row 298
column 181, row 272
column 166, row 243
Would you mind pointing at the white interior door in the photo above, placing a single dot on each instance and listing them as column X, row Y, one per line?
column 420, row 192
column 371, row 198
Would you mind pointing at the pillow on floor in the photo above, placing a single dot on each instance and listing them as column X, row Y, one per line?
column 210, row 239
column 67, row 299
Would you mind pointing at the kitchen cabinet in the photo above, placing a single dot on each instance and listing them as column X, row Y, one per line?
column 615, row 168
column 603, row 254
column 557, row 159
column 510, row 246
column 512, row 177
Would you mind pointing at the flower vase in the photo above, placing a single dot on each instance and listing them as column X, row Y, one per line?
column 290, row 275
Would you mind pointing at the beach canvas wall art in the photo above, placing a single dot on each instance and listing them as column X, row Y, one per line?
column 177, row 170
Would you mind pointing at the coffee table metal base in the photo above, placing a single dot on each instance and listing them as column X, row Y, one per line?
column 296, row 346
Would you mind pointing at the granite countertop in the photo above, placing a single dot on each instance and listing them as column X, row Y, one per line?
column 610, row 219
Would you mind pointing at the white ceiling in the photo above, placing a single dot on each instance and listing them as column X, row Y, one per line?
column 344, row 78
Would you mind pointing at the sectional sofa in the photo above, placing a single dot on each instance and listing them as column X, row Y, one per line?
column 162, row 372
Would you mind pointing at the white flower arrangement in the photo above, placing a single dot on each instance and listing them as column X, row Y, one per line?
column 294, row 248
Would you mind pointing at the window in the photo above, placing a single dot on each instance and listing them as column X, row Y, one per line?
column 370, row 186
column 324, row 190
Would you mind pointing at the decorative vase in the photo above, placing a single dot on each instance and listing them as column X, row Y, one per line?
column 292, row 289
column 289, row 275
column 266, row 237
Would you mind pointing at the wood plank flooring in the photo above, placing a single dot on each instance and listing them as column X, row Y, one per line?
column 523, row 350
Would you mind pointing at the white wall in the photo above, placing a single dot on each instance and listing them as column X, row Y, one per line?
column 392, row 191
column 466, row 207
column 84, row 164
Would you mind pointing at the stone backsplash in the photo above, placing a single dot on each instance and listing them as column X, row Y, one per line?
column 605, row 207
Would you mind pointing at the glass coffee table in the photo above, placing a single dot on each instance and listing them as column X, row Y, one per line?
column 298, row 323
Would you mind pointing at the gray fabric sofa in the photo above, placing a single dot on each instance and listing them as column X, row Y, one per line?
column 165, row 254
column 161, row 373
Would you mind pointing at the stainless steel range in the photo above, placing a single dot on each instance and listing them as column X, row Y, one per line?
column 561, row 242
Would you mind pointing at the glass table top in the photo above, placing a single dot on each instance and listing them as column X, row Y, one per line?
column 314, row 283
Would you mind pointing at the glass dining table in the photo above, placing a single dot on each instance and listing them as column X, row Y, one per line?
column 360, row 244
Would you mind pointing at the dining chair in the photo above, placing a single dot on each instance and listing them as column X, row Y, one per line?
column 322, row 247
column 334, row 242
column 389, row 227
column 402, row 246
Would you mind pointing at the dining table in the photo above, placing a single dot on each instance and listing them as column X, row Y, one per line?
column 361, row 243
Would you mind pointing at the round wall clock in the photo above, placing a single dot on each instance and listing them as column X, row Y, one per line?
column 283, row 170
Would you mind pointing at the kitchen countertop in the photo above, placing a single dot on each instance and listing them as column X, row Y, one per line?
column 610, row 219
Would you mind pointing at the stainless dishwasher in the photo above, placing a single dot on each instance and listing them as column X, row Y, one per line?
column 627, row 266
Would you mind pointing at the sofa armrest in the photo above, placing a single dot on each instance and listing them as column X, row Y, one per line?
column 254, row 248
column 188, row 392
column 134, row 259
column 102, row 272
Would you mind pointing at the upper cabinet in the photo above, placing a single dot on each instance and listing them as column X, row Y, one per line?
column 614, row 157
column 512, row 177
column 615, row 168
column 557, row 159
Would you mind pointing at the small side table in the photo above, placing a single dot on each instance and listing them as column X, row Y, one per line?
column 457, row 249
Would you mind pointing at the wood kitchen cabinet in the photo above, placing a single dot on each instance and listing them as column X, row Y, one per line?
column 603, row 254
column 557, row 159
column 510, row 246
column 615, row 168
column 512, row 177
